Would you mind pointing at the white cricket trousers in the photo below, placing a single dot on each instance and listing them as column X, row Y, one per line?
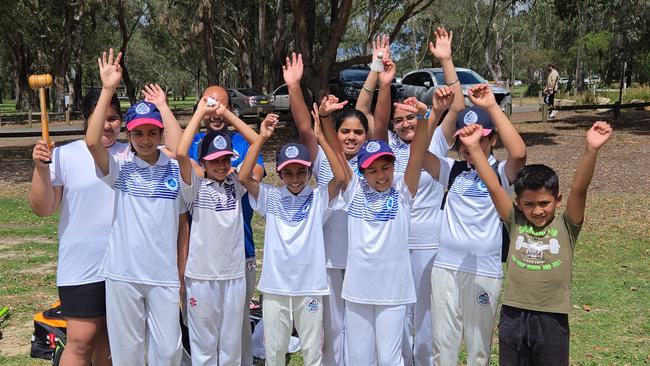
column 334, row 320
column 247, row 332
column 417, row 327
column 280, row 312
column 374, row 334
column 215, row 320
column 464, row 305
column 135, row 311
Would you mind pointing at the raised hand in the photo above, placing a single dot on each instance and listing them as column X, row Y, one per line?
column 268, row 125
column 442, row 99
column 153, row 93
column 110, row 70
column 214, row 108
column 412, row 105
column 482, row 96
column 387, row 76
column 381, row 44
column 315, row 114
column 598, row 134
column 442, row 49
column 293, row 69
column 41, row 154
column 329, row 104
column 471, row 135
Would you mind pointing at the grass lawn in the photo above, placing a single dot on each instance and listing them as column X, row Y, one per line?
column 611, row 280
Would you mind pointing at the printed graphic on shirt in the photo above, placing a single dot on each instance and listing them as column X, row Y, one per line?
column 537, row 251
column 159, row 182
column 289, row 208
column 325, row 174
column 370, row 205
column 312, row 305
column 469, row 184
column 211, row 199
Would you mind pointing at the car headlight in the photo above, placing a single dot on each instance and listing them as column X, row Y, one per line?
column 351, row 91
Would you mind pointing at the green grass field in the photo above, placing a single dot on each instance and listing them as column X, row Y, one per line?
column 611, row 280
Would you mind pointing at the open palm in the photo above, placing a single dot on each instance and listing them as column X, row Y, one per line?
column 110, row 70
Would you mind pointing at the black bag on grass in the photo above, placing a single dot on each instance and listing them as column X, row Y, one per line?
column 49, row 334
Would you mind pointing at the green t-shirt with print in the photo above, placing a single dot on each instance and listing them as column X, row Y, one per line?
column 540, row 263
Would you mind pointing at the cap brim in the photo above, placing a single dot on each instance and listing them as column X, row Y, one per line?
column 299, row 161
column 375, row 157
column 143, row 121
column 217, row 155
column 486, row 131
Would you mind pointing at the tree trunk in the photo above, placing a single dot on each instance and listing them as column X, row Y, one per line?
column 22, row 62
column 206, row 14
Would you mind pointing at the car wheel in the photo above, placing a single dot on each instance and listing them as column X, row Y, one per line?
column 508, row 109
column 236, row 111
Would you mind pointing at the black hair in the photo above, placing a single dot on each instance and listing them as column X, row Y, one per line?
column 536, row 176
column 89, row 103
column 350, row 113
column 456, row 145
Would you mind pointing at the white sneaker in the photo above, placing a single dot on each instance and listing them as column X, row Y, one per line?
column 552, row 114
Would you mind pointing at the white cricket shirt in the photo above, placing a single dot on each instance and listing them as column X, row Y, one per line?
column 217, row 231
column 143, row 243
column 83, row 228
column 294, row 254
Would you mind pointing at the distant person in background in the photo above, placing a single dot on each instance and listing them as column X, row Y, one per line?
column 552, row 86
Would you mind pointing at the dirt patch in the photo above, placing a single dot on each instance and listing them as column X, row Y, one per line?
column 16, row 339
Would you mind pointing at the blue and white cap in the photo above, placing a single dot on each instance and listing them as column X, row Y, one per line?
column 474, row 115
column 215, row 145
column 292, row 153
column 142, row 113
column 372, row 150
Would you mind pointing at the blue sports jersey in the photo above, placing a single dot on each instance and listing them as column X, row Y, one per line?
column 240, row 148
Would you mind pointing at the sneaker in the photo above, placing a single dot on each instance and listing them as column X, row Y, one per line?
column 552, row 114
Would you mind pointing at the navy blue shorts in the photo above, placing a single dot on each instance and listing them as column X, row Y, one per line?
column 83, row 301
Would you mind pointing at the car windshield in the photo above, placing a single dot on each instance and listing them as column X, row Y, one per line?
column 249, row 92
column 465, row 77
column 354, row 74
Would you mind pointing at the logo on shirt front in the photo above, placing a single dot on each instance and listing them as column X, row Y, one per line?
column 372, row 147
column 219, row 142
column 291, row 152
column 171, row 183
column 470, row 118
column 484, row 298
column 481, row 186
column 142, row 108
column 312, row 305
column 390, row 202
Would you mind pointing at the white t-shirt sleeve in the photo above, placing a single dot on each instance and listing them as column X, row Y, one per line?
column 259, row 203
column 438, row 145
column 503, row 177
column 191, row 192
column 56, row 168
column 114, row 166
column 346, row 196
column 403, row 190
column 240, row 190
column 445, row 170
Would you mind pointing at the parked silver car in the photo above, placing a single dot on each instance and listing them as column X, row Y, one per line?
column 280, row 98
column 248, row 102
column 424, row 82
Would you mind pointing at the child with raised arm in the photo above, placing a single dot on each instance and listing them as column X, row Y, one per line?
column 215, row 270
column 141, row 263
column 378, row 281
column 534, row 325
column 293, row 273
column 466, row 275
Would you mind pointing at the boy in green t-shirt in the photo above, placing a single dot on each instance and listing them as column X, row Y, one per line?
column 534, row 327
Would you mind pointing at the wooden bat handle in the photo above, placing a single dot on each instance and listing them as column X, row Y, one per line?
column 45, row 128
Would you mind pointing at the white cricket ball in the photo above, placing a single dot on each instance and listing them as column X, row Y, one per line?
column 380, row 55
column 211, row 102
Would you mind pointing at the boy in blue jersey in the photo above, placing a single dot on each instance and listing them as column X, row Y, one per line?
column 219, row 122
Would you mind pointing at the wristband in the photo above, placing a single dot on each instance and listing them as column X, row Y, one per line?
column 453, row 82
column 368, row 89
column 321, row 116
column 428, row 114
column 377, row 66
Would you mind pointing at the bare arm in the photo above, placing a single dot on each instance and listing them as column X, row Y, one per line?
column 292, row 73
column 384, row 105
column 418, row 148
column 182, row 152
column 597, row 136
column 364, row 103
column 242, row 127
column 328, row 105
column 110, row 72
column 470, row 136
column 442, row 99
column 482, row 96
column 182, row 246
column 266, row 130
column 172, row 133
column 44, row 198
column 338, row 170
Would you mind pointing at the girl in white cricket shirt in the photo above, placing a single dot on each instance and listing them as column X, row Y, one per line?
column 141, row 261
column 466, row 275
column 378, row 281
column 426, row 215
column 293, row 271
column 215, row 273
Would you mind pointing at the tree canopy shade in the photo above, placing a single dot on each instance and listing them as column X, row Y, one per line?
column 186, row 45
